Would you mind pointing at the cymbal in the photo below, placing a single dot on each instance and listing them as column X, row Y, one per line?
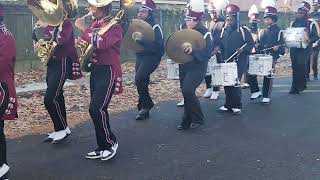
column 175, row 43
column 141, row 26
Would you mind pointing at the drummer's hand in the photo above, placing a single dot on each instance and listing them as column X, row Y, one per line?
column 315, row 44
column 217, row 50
column 188, row 50
column 256, row 45
column 276, row 48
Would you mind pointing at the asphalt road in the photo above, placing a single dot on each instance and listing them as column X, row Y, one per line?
column 279, row 141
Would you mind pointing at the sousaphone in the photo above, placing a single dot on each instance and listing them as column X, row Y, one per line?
column 138, row 27
column 53, row 13
column 181, row 39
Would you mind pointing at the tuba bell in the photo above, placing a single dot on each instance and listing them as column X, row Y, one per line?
column 53, row 13
column 86, row 49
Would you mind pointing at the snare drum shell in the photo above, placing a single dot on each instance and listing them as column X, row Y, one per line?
column 225, row 74
column 296, row 37
column 260, row 65
column 172, row 70
column 211, row 61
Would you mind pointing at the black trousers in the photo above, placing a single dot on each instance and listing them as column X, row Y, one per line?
column 144, row 68
column 3, row 106
column 267, row 84
column 190, row 79
column 208, row 80
column 233, row 94
column 57, row 73
column 314, row 63
column 102, row 86
column 299, row 60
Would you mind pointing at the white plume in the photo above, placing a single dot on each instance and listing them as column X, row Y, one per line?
column 253, row 10
column 266, row 3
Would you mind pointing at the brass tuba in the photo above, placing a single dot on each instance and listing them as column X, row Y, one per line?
column 53, row 13
column 86, row 49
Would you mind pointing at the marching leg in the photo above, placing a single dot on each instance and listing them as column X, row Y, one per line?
column 208, row 93
column 54, row 99
column 254, row 87
column 267, row 89
column 104, row 87
column 142, row 80
column 4, row 100
column 315, row 55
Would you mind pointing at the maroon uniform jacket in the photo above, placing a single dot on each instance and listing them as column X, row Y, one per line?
column 66, row 45
column 107, row 50
column 7, row 65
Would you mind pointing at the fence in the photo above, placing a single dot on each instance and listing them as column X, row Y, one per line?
column 20, row 21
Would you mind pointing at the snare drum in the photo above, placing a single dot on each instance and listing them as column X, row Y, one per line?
column 296, row 37
column 173, row 69
column 260, row 65
column 225, row 74
column 212, row 60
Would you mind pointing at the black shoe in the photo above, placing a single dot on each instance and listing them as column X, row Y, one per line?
column 195, row 125
column 315, row 77
column 294, row 92
column 183, row 127
column 143, row 114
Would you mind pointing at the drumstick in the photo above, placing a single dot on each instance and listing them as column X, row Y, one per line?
column 273, row 47
column 235, row 53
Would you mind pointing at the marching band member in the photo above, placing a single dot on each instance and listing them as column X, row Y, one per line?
column 63, row 65
column 299, row 56
column 106, row 74
column 254, row 20
column 315, row 16
column 183, row 26
column 8, row 99
column 271, row 39
column 147, row 60
column 214, row 26
column 235, row 38
column 192, row 74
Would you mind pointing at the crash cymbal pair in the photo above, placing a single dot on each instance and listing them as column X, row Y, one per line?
column 175, row 45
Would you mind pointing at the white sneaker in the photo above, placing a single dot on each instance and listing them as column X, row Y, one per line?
column 223, row 109
column 256, row 95
column 208, row 93
column 266, row 100
column 236, row 110
column 215, row 95
column 181, row 103
column 60, row 135
column 68, row 131
column 108, row 154
column 245, row 85
column 4, row 170
column 96, row 154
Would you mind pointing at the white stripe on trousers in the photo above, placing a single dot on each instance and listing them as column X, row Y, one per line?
column 103, row 114
column 4, row 95
column 64, row 69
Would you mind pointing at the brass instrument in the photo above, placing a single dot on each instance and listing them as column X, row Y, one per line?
column 179, row 41
column 53, row 14
column 86, row 49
